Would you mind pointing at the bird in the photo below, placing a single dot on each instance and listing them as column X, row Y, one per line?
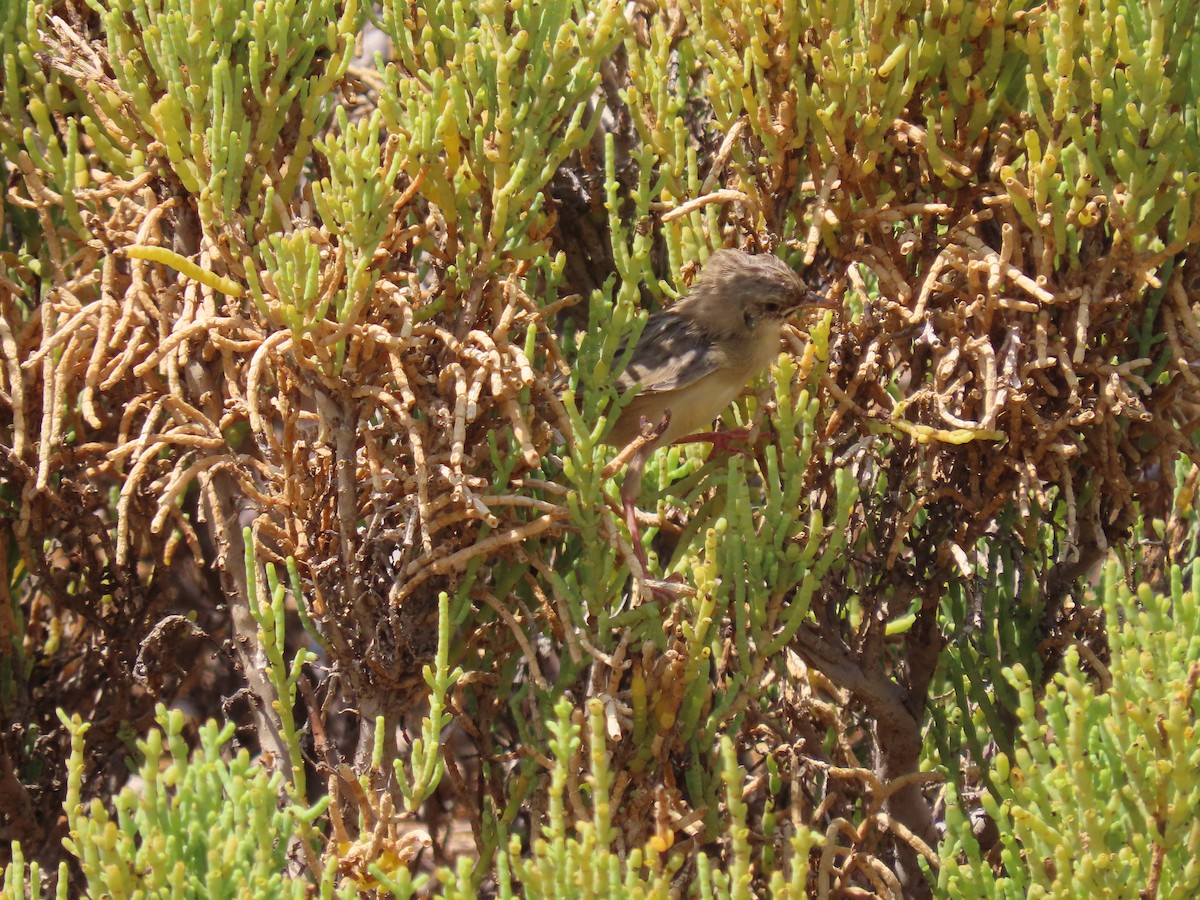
column 694, row 358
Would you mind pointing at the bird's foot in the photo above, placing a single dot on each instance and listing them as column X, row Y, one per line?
column 635, row 535
column 668, row 589
column 635, row 452
column 735, row 440
column 660, row 589
column 651, row 431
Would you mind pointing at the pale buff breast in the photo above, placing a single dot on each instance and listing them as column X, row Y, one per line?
column 694, row 407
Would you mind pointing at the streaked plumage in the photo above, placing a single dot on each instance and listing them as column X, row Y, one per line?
column 696, row 357
column 693, row 359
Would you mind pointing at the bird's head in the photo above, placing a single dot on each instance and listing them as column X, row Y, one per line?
column 739, row 292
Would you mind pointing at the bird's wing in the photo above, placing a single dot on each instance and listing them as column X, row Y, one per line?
column 671, row 353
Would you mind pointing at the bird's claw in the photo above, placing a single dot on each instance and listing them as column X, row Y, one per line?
column 669, row 589
column 650, row 432
column 736, row 440
column 647, row 435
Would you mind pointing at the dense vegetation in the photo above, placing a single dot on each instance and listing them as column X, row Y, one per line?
column 306, row 362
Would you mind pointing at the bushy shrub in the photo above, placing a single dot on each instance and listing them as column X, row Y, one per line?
column 267, row 309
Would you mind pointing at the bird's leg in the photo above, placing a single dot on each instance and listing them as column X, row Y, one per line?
column 637, row 454
column 725, row 441
column 673, row 587
column 641, row 446
column 734, row 440
column 630, row 489
column 648, row 435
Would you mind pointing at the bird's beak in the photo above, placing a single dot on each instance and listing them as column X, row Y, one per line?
column 814, row 300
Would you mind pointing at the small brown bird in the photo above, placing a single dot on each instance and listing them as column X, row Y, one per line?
column 693, row 359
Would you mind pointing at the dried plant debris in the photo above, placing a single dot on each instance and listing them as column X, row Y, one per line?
column 306, row 373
